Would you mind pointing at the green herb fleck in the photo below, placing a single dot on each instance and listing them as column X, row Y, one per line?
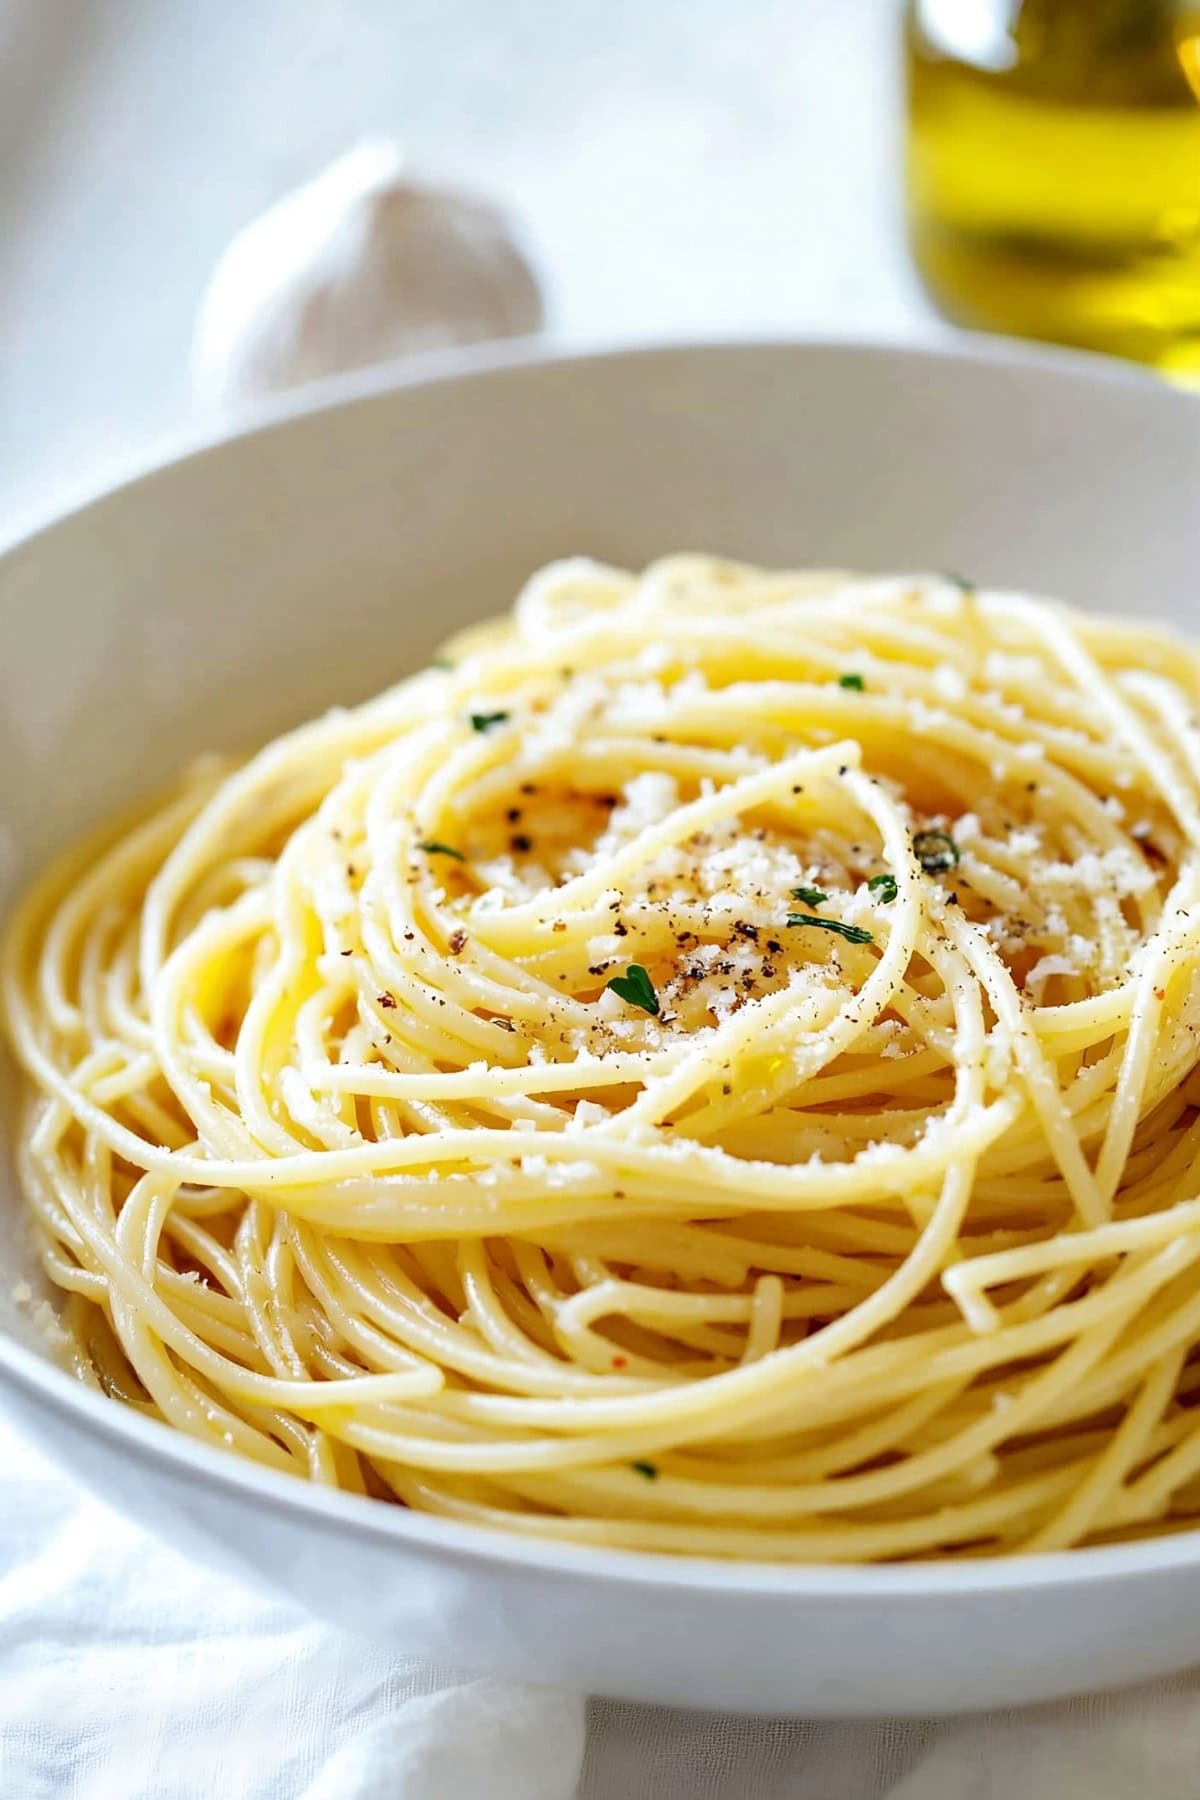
column 855, row 682
column 441, row 662
column 648, row 1469
column 853, row 934
column 936, row 851
column 884, row 886
column 810, row 896
column 485, row 721
column 431, row 847
column 961, row 582
column 635, row 987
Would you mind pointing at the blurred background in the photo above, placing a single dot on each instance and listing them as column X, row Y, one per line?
column 678, row 167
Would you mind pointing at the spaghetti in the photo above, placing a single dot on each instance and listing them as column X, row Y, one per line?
column 709, row 1066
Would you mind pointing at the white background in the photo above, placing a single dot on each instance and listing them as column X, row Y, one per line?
column 679, row 166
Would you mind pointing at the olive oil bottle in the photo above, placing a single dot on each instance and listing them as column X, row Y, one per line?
column 1054, row 170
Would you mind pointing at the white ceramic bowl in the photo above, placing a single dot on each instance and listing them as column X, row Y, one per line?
column 319, row 556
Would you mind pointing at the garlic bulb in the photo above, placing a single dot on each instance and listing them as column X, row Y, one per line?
column 357, row 266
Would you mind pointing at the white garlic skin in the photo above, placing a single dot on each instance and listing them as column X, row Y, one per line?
column 356, row 267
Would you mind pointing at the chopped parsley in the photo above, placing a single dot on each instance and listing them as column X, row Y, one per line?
column 936, row 851
column 961, row 582
column 636, row 988
column 884, row 888
column 441, row 662
column 485, row 721
column 854, row 682
column 853, row 934
column 431, row 847
column 648, row 1469
column 810, row 896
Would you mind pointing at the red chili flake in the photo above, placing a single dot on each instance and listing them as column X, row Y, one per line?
column 1160, row 993
column 457, row 941
column 529, row 787
column 620, row 1362
column 559, row 925
column 387, row 1000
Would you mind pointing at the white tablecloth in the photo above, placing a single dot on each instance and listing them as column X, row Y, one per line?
column 127, row 1673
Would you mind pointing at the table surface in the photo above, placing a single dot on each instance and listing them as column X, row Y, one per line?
column 678, row 166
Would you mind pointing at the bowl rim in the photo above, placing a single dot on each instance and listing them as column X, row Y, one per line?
column 152, row 1443
column 500, row 357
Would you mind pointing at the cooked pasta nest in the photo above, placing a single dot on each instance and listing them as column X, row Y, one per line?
column 707, row 1066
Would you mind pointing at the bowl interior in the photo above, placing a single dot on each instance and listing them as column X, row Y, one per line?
column 317, row 558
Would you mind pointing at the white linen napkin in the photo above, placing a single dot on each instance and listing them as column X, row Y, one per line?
column 127, row 1673
column 1140, row 1745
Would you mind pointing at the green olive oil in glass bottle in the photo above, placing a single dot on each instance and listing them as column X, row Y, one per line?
column 1054, row 170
